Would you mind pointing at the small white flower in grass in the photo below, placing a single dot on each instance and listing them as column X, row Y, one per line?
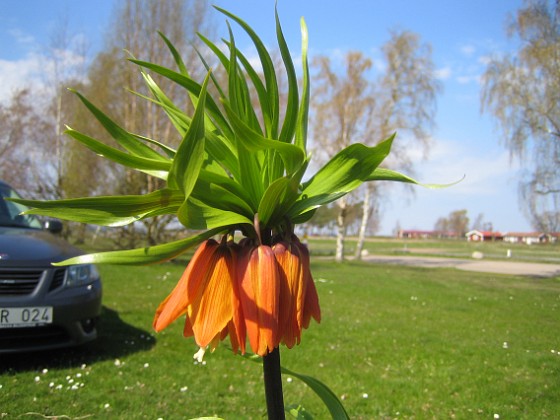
column 505, row 345
column 78, row 375
column 184, row 388
column 117, row 362
column 83, row 366
column 51, row 385
column 199, row 355
column 59, row 386
column 106, row 406
column 146, row 365
column 37, row 378
column 364, row 395
column 289, row 380
column 45, row 371
column 496, row 416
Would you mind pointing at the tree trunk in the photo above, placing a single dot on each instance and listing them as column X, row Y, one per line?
column 366, row 212
column 341, row 229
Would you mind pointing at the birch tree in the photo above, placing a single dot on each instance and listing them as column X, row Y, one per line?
column 406, row 94
column 342, row 107
column 521, row 91
column 353, row 106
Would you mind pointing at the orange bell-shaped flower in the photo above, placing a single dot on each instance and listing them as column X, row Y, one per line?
column 298, row 296
column 259, row 290
column 205, row 293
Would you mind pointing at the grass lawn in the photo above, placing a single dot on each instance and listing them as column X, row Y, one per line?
column 453, row 248
column 395, row 342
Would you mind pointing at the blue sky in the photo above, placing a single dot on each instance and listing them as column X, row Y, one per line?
column 463, row 34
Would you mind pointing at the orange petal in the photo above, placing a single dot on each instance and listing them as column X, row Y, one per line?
column 212, row 312
column 236, row 328
column 247, row 296
column 187, row 289
column 291, row 292
column 311, row 306
column 259, row 292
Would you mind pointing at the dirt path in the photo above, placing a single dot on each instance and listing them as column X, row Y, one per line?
column 500, row 267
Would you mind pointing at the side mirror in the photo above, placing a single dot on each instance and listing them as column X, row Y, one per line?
column 53, row 226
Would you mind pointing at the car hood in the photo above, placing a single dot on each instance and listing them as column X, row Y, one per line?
column 32, row 248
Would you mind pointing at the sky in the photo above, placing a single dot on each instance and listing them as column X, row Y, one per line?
column 463, row 36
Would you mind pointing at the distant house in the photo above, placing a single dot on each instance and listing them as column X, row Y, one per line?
column 483, row 235
column 415, row 234
column 424, row 234
column 528, row 237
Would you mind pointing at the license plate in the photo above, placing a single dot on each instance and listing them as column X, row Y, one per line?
column 25, row 317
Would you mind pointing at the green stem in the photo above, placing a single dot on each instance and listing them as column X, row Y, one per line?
column 273, row 385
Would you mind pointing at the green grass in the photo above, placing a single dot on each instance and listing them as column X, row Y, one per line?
column 454, row 248
column 395, row 342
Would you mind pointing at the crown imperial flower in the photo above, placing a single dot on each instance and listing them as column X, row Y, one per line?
column 259, row 292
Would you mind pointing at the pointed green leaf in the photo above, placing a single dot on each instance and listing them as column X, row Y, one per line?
column 195, row 214
column 191, row 86
column 169, row 151
column 108, row 211
column 262, row 94
column 347, row 169
column 221, row 56
column 292, row 155
column 309, row 203
column 155, row 167
column 228, row 184
column 329, row 398
column 190, row 153
column 267, row 68
column 123, row 137
column 383, row 174
column 175, row 54
column 303, row 113
column 148, row 255
column 292, row 103
column 276, row 200
column 221, row 197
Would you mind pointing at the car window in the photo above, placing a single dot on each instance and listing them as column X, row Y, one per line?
column 10, row 212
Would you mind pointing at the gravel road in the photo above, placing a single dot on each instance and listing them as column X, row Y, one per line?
column 481, row 265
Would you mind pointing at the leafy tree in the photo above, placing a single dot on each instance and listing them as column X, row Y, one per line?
column 522, row 91
column 457, row 221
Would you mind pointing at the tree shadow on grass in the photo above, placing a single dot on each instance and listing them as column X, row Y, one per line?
column 116, row 339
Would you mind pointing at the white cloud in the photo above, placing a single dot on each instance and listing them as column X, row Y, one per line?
column 468, row 50
column 485, row 172
column 34, row 71
column 21, row 37
column 443, row 73
column 19, row 74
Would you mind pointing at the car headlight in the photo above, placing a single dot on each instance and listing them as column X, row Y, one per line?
column 79, row 275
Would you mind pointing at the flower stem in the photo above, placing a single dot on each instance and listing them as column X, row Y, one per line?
column 273, row 385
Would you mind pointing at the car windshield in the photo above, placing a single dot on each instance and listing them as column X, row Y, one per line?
column 10, row 212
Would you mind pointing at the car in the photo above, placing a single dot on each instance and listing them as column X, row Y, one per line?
column 42, row 307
